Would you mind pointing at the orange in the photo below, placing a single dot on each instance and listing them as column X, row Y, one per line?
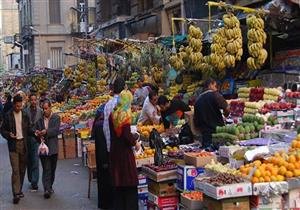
column 292, row 159
column 296, row 172
column 291, row 167
column 273, row 178
column 280, row 178
column 267, row 179
column 275, row 160
column 277, row 154
column 297, row 165
column 255, row 180
column 298, row 144
column 294, row 143
column 281, row 161
column 257, row 173
column 285, row 164
column 282, row 170
column 289, row 174
column 257, row 163
column 267, row 173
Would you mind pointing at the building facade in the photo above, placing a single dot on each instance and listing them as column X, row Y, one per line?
column 47, row 31
column 9, row 26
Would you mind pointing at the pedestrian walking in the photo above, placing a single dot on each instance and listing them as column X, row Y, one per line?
column 15, row 129
column 47, row 128
column 35, row 113
column 8, row 103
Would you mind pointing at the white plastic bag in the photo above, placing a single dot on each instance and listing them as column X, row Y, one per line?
column 43, row 149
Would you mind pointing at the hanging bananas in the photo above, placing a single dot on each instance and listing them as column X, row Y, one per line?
column 256, row 40
column 91, row 79
column 67, row 72
column 191, row 55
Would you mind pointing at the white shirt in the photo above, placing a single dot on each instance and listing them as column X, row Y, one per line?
column 149, row 113
column 140, row 94
column 109, row 107
column 18, row 121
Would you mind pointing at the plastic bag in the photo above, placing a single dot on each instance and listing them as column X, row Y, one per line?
column 186, row 136
column 43, row 149
column 158, row 144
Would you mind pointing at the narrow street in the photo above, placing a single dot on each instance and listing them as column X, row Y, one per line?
column 70, row 187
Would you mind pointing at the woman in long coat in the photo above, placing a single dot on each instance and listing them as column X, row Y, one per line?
column 122, row 160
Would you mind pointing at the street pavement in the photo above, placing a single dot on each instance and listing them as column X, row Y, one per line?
column 70, row 187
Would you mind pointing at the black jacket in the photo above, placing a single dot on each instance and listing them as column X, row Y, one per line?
column 9, row 126
column 51, row 137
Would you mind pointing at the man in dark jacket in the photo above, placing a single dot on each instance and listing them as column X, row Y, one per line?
column 15, row 129
column 34, row 112
column 47, row 128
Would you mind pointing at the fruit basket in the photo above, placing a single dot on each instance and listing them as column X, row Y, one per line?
column 165, row 172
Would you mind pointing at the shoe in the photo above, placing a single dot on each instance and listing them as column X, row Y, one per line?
column 47, row 195
column 34, row 188
column 20, row 195
column 51, row 190
column 16, row 200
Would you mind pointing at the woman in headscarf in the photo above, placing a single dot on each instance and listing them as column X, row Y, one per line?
column 122, row 160
column 104, row 181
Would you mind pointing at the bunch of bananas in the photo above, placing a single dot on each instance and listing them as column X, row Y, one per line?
column 68, row 72
column 157, row 73
column 101, row 84
column 79, row 74
column 91, row 79
column 191, row 55
column 101, row 64
column 39, row 83
column 174, row 91
column 218, row 50
column 256, row 39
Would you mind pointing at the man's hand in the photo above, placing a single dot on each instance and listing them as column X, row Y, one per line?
column 13, row 136
column 43, row 132
column 138, row 146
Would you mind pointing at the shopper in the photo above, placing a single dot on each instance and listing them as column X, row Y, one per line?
column 35, row 113
column 15, row 129
column 171, row 111
column 118, row 86
column 47, row 128
column 104, row 181
column 149, row 114
column 122, row 160
column 207, row 114
column 42, row 99
column 140, row 93
column 8, row 104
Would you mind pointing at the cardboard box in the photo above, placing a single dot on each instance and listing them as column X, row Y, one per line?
column 70, row 148
column 162, row 189
column 152, row 206
column 142, row 189
column 186, row 176
column 191, row 204
column 226, row 151
column 272, row 188
column 61, row 148
column 264, row 203
column 292, row 199
column 198, row 161
column 227, row 191
column 160, row 176
column 163, row 201
column 241, row 203
column 144, row 161
column 142, row 179
column 285, row 116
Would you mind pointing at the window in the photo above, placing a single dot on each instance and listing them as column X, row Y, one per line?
column 54, row 11
column 56, row 57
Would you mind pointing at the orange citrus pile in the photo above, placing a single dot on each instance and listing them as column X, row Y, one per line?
column 278, row 167
column 145, row 130
column 147, row 153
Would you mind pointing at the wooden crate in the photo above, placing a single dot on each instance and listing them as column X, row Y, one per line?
column 61, row 148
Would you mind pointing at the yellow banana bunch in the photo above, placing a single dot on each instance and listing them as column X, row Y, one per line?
column 196, row 58
column 67, row 72
column 234, row 45
column 194, row 32
column 256, row 39
column 176, row 62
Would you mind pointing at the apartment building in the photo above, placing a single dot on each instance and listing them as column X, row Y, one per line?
column 48, row 27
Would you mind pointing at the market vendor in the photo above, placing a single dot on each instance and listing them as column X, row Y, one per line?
column 141, row 92
column 207, row 114
column 171, row 111
column 149, row 114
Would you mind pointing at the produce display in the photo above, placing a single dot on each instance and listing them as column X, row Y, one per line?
column 145, row 130
column 256, row 94
column 217, row 167
column 193, row 195
column 278, row 167
column 201, row 154
column 253, row 107
column 223, row 179
column 256, row 39
column 164, row 167
column 277, row 106
column 272, row 94
column 147, row 153
column 237, row 108
column 91, row 79
column 244, row 93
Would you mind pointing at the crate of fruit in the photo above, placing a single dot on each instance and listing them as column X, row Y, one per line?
column 164, row 172
column 199, row 159
column 192, row 200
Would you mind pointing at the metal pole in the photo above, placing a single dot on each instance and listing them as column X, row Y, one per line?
column 183, row 16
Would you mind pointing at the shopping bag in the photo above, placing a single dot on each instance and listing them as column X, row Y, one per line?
column 43, row 149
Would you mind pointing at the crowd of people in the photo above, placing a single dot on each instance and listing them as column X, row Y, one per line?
column 26, row 125
column 116, row 167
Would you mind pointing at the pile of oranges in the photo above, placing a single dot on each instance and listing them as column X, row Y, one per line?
column 145, row 130
column 148, row 152
column 278, row 167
